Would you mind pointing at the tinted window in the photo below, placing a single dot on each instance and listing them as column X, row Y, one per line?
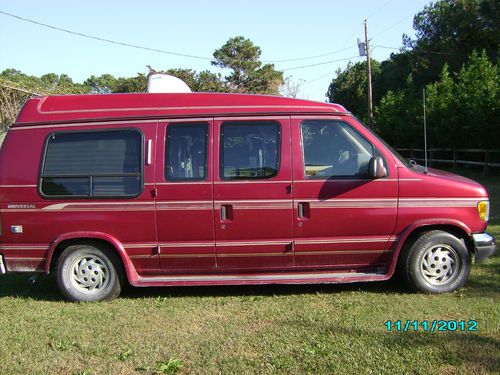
column 333, row 148
column 186, row 152
column 93, row 164
column 249, row 150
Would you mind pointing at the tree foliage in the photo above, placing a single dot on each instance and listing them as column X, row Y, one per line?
column 240, row 55
column 350, row 86
column 47, row 84
column 448, row 31
column 461, row 83
column 247, row 75
column 464, row 107
column 399, row 116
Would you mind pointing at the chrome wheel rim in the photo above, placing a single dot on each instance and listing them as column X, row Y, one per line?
column 89, row 274
column 439, row 264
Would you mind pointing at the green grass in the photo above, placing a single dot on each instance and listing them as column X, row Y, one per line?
column 269, row 329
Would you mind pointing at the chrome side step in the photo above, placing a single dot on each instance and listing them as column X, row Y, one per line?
column 2, row 266
column 271, row 278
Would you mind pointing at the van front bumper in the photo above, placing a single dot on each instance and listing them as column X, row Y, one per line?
column 484, row 246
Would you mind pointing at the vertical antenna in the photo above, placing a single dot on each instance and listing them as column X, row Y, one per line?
column 369, row 73
column 425, row 133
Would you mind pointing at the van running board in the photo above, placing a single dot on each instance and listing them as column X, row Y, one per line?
column 254, row 279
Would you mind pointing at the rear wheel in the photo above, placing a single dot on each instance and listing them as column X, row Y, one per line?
column 89, row 273
column 436, row 262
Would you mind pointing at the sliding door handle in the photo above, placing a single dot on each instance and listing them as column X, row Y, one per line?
column 303, row 210
column 223, row 213
column 226, row 212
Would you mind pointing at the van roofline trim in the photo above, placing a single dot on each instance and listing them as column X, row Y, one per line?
column 71, row 108
column 69, row 122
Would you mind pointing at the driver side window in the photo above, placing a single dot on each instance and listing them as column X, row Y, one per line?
column 333, row 149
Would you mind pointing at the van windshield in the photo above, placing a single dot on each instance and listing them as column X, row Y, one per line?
column 391, row 149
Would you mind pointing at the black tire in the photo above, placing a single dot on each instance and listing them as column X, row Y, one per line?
column 89, row 273
column 435, row 262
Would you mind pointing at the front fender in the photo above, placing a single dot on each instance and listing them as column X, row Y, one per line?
column 435, row 222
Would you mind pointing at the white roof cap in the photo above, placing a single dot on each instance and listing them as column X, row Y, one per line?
column 165, row 83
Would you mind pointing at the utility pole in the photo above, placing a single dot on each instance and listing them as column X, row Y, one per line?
column 369, row 73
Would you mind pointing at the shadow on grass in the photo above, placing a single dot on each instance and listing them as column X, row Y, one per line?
column 35, row 286
column 45, row 288
column 470, row 349
column 485, row 279
column 263, row 290
column 484, row 282
column 475, row 352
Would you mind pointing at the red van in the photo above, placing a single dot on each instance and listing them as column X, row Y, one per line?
column 214, row 189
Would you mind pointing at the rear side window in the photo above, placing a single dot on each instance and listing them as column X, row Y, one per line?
column 186, row 152
column 249, row 150
column 93, row 164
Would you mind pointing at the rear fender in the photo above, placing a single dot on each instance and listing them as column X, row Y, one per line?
column 129, row 267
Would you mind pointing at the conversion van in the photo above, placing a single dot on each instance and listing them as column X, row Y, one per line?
column 216, row 189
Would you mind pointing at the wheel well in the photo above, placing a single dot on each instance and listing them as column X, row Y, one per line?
column 456, row 231
column 81, row 241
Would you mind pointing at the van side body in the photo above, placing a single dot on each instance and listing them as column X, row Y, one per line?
column 214, row 189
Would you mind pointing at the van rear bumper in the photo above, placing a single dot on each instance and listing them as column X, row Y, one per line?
column 2, row 265
column 484, row 246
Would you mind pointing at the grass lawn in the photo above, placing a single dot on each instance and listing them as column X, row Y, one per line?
column 271, row 329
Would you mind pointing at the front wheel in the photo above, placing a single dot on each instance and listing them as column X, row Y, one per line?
column 436, row 262
column 89, row 273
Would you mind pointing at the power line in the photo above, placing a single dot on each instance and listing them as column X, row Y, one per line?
column 88, row 36
column 337, row 51
column 317, row 78
column 393, row 25
column 104, row 39
column 424, row 51
column 317, row 64
column 308, row 57
column 353, row 33
column 394, row 48
column 379, row 9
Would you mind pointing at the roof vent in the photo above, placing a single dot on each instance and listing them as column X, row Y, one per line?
column 164, row 83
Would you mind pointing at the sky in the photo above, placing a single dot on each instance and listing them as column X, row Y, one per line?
column 284, row 30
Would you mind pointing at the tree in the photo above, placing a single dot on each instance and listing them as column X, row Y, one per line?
column 462, row 109
column 399, row 117
column 441, row 115
column 462, row 86
column 349, row 88
column 204, row 81
column 11, row 100
column 291, row 88
column 447, row 31
column 47, row 84
column 17, row 87
column 248, row 74
column 104, row 84
column 476, row 100
column 132, row 84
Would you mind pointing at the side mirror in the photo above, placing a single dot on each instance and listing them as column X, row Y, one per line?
column 376, row 168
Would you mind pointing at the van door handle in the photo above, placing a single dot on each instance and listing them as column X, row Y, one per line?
column 226, row 212
column 303, row 210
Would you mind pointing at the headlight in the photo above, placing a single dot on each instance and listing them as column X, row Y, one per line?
column 483, row 208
